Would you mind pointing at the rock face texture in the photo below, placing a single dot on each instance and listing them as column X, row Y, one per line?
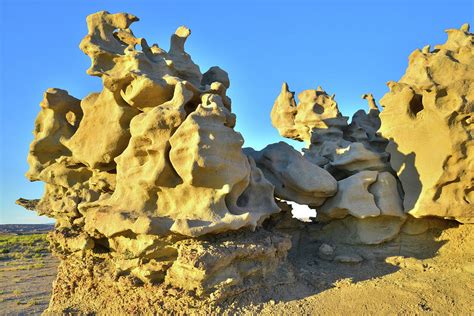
column 137, row 173
column 346, row 161
column 365, row 194
column 154, row 196
column 428, row 118
column 158, row 131
column 391, row 163
column 294, row 177
column 341, row 148
column 316, row 111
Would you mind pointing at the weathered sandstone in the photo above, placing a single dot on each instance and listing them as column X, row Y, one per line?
column 294, row 177
column 155, row 198
column 143, row 174
column 428, row 118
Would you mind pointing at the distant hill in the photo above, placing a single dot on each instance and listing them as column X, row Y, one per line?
column 23, row 229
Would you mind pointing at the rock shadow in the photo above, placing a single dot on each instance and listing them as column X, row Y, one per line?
column 313, row 273
column 404, row 166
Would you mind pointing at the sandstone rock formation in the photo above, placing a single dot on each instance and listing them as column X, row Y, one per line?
column 158, row 131
column 154, row 196
column 294, row 177
column 365, row 194
column 385, row 163
column 352, row 153
column 428, row 118
column 341, row 148
column 317, row 111
column 135, row 173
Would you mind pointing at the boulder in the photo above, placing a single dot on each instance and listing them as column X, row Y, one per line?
column 294, row 178
column 352, row 197
column 364, row 194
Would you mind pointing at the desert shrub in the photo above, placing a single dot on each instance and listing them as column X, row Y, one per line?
column 23, row 246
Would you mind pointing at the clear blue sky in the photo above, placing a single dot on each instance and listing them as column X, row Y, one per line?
column 347, row 47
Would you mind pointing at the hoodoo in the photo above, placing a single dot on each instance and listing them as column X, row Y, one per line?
column 158, row 206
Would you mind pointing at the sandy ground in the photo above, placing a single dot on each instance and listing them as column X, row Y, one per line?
column 27, row 271
column 26, row 292
column 441, row 283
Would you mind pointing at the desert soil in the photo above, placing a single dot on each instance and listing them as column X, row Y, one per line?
column 27, row 270
column 440, row 283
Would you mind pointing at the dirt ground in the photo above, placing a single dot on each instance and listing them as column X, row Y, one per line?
column 27, row 270
column 438, row 280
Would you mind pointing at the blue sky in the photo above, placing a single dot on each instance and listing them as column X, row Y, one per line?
column 347, row 47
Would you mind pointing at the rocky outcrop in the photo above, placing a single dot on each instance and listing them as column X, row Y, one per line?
column 427, row 116
column 220, row 265
column 294, row 177
column 351, row 153
column 154, row 134
column 207, row 270
column 145, row 172
column 341, row 148
column 316, row 112
column 385, row 163
column 154, row 196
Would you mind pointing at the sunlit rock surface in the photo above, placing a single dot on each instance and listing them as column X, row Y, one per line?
column 136, row 173
column 294, row 177
column 413, row 157
column 428, row 118
column 154, row 197
column 353, row 154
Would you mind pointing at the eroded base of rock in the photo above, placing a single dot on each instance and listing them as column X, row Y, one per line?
column 206, row 270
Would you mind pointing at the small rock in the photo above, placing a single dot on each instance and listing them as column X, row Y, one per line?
column 326, row 252
column 349, row 258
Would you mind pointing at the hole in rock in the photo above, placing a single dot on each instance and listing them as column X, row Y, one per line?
column 416, row 105
column 101, row 245
column 190, row 107
column 302, row 212
column 318, row 109
column 243, row 200
column 442, row 93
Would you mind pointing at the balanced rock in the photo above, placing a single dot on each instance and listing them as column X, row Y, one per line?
column 294, row 177
column 334, row 145
column 316, row 111
column 365, row 194
column 368, row 204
